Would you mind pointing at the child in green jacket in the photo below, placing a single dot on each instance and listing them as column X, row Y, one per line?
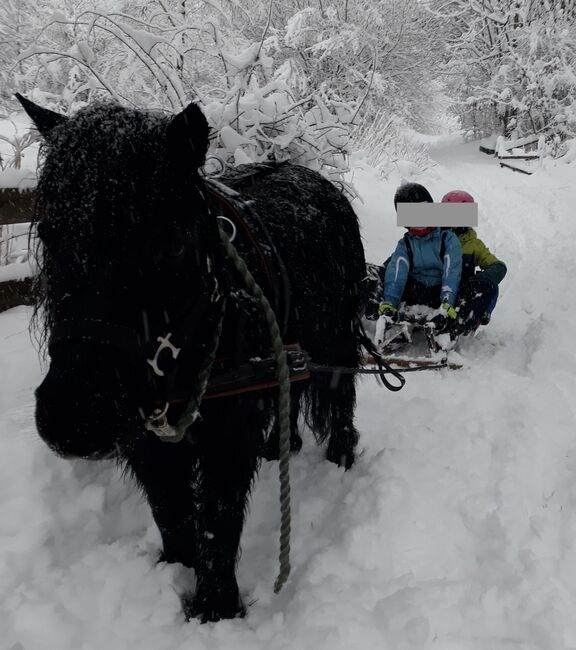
column 478, row 291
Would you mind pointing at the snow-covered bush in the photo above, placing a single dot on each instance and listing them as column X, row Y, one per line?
column 390, row 145
column 255, row 101
column 16, row 145
column 277, row 80
column 569, row 156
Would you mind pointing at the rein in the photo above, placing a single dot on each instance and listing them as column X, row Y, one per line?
column 283, row 411
column 158, row 420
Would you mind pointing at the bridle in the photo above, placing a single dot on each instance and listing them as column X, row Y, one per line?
column 157, row 360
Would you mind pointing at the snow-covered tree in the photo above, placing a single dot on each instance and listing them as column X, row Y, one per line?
column 161, row 55
column 294, row 79
column 19, row 23
column 513, row 63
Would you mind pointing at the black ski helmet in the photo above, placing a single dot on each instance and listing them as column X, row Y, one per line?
column 412, row 193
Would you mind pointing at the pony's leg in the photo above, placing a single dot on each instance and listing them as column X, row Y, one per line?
column 332, row 398
column 228, row 445
column 271, row 449
column 343, row 436
column 165, row 473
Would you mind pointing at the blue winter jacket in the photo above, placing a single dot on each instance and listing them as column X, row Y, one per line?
column 427, row 267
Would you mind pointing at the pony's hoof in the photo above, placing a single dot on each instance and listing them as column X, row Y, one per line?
column 213, row 608
column 342, row 458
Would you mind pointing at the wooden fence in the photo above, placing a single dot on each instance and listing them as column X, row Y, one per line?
column 15, row 207
column 530, row 146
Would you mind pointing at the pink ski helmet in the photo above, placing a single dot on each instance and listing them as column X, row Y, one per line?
column 457, row 196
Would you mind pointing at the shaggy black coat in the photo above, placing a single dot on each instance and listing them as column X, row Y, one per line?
column 127, row 246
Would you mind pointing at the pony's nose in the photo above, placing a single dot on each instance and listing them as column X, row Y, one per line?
column 77, row 423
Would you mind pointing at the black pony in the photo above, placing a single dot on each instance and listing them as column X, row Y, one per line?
column 136, row 295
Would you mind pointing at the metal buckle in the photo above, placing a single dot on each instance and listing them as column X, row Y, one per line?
column 164, row 343
column 226, row 220
column 158, row 423
column 297, row 360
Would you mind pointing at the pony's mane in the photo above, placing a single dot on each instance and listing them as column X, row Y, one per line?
column 101, row 175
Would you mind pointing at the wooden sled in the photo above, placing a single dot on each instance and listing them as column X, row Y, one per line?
column 411, row 344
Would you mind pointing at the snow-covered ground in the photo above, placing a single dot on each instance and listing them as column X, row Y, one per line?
column 455, row 530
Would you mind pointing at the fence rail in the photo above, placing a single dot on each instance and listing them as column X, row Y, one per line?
column 515, row 169
column 15, row 292
column 531, row 149
column 15, row 207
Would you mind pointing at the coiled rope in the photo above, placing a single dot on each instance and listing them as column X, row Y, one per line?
column 283, row 408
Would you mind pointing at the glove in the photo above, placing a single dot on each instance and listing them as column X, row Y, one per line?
column 445, row 319
column 386, row 309
column 450, row 311
column 495, row 272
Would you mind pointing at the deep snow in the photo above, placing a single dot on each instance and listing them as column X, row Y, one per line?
column 454, row 531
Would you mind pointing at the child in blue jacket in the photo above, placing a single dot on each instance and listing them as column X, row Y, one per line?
column 425, row 268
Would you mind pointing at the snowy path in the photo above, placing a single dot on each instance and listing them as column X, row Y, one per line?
column 454, row 531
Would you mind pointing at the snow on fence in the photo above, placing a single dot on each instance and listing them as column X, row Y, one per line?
column 15, row 279
column 529, row 148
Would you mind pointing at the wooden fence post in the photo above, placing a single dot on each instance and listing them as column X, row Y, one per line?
column 16, row 206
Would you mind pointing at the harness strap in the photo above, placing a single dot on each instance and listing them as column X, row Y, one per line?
column 237, row 219
column 257, row 374
column 255, row 236
column 182, row 332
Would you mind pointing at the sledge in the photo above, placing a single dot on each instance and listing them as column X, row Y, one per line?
column 412, row 364
column 411, row 343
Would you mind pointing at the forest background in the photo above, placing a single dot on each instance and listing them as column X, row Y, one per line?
column 306, row 80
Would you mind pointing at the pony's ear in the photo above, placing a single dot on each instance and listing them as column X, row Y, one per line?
column 188, row 136
column 44, row 119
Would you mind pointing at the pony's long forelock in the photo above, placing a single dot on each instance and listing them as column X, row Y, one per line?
column 82, row 175
column 92, row 193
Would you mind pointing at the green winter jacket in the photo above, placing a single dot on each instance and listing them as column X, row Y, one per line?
column 475, row 253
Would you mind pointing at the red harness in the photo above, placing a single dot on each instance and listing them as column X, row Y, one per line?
column 257, row 374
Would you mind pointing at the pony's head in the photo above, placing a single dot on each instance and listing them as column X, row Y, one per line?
column 126, row 250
